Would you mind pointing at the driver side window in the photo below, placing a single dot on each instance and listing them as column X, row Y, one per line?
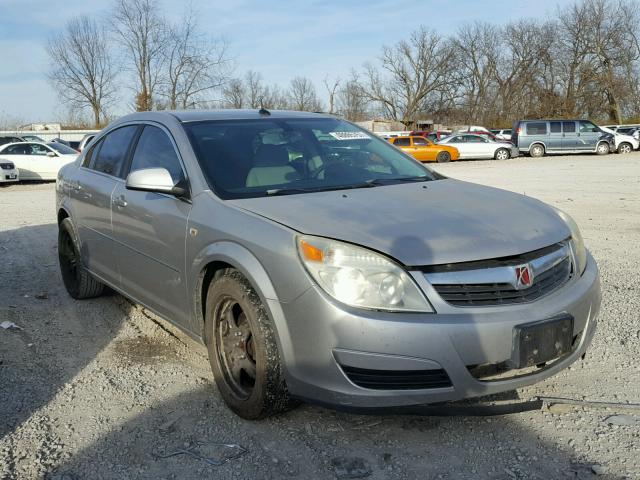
column 587, row 127
column 155, row 150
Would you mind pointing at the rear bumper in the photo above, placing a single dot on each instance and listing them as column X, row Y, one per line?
column 329, row 340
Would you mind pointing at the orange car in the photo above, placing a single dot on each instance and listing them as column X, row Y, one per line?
column 424, row 150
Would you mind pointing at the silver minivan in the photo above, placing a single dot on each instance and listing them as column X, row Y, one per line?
column 318, row 262
column 540, row 137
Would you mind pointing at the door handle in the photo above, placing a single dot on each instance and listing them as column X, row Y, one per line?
column 120, row 202
column 76, row 187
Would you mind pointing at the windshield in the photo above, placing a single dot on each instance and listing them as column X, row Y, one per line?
column 62, row 149
column 256, row 158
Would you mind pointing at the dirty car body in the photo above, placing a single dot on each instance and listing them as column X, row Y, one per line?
column 381, row 282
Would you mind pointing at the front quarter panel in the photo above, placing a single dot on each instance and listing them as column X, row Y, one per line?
column 262, row 250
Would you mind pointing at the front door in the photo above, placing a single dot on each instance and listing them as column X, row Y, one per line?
column 589, row 135
column 150, row 231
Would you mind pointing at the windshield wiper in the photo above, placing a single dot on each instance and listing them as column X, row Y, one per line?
column 374, row 182
column 290, row 191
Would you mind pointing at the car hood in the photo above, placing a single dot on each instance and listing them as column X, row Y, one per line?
column 426, row 223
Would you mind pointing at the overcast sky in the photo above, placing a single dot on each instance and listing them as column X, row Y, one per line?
column 278, row 38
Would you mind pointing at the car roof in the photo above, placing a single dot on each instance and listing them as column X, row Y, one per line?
column 185, row 116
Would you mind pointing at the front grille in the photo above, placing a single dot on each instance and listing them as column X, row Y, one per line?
column 7, row 166
column 487, row 294
column 397, row 379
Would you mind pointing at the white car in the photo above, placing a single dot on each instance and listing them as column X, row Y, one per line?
column 477, row 147
column 623, row 143
column 37, row 160
column 502, row 134
column 8, row 172
column 472, row 128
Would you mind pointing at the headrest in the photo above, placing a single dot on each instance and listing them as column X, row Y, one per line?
column 271, row 156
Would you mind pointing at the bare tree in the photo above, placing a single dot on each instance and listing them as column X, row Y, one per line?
column 331, row 87
column 141, row 30
column 82, row 70
column 302, row 95
column 351, row 102
column 234, row 94
column 195, row 64
column 411, row 72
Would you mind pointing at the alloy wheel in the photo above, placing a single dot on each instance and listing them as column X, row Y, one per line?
column 236, row 353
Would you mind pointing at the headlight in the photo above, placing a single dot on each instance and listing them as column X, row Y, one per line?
column 577, row 243
column 360, row 277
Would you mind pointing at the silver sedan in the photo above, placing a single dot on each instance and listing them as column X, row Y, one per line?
column 473, row 146
column 318, row 262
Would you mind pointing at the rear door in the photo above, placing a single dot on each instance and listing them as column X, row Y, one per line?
column 477, row 146
column 570, row 139
column 101, row 171
column 150, row 231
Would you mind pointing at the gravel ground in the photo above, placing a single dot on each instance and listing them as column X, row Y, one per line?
column 101, row 389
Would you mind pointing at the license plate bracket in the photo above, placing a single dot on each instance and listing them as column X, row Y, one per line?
column 538, row 342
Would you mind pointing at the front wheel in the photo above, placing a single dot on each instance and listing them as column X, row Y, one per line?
column 625, row 147
column 502, row 154
column 443, row 157
column 602, row 148
column 242, row 348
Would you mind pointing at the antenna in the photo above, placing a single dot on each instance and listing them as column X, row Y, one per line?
column 263, row 111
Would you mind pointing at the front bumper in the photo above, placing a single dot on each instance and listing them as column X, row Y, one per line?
column 9, row 175
column 326, row 339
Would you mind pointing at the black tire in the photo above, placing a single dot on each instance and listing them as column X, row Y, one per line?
column 242, row 348
column 537, row 151
column 77, row 280
column 443, row 157
column 502, row 154
column 602, row 148
column 625, row 147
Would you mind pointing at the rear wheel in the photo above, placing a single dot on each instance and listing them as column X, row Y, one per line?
column 242, row 348
column 602, row 148
column 537, row 151
column 443, row 157
column 502, row 154
column 625, row 147
column 77, row 280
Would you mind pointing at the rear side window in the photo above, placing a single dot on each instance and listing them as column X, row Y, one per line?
column 111, row 156
column 556, row 127
column 537, row 128
column 568, row 127
column 155, row 150
column 86, row 161
column 402, row 142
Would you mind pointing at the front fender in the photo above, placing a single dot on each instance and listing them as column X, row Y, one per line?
column 246, row 262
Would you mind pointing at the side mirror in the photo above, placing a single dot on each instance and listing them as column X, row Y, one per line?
column 156, row 180
column 51, row 154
